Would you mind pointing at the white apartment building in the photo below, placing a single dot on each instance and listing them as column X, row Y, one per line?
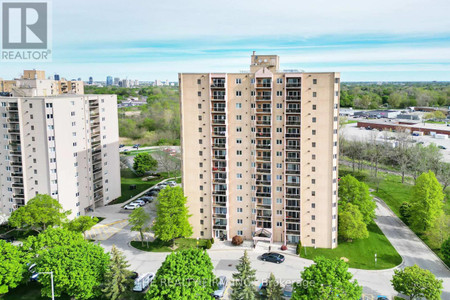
column 64, row 145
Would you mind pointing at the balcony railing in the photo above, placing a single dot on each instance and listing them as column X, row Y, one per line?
column 218, row 97
column 263, row 134
column 293, row 110
column 263, row 194
column 293, row 172
column 219, row 169
column 263, row 158
column 219, row 180
column 293, row 147
column 264, row 85
column 293, row 85
column 218, row 85
column 292, row 135
column 293, row 98
column 263, row 146
column 222, row 204
column 295, row 184
column 221, row 157
column 268, row 123
column 293, row 196
column 263, row 170
column 263, row 182
column 292, row 159
column 263, row 110
column 219, row 226
column 290, row 219
column 219, row 145
column 293, row 123
column 219, row 192
column 219, row 133
column 216, row 121
column 263, row 98
column 218, row 109
column 263, row 217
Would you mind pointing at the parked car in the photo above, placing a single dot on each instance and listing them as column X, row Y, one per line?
column 143, row 282
column 382, row 298
column 139, row 201
column 287, row 291
column 273, row 257
column 131, row 206
column 121, row 145
column 133, row 275
column 147, row 199
column 171, row 183
column 163, row 184
column 221, row 287
column 152, row 193
column 442, row 147
column 136, row 146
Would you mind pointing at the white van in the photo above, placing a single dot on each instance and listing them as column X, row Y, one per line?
column 142, row 282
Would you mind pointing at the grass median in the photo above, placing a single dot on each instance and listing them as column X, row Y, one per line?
column 160, row 246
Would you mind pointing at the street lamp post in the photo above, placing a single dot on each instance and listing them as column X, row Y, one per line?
column 51, row 278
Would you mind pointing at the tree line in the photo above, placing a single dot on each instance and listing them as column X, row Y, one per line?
column 394, row 95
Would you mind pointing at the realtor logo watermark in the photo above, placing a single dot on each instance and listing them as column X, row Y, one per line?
column 26, row 32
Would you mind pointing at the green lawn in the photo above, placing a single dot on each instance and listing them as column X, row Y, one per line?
column 134, row 152
column 361, row 253
column 19, row 235
column 160, row 246
column 129, row 178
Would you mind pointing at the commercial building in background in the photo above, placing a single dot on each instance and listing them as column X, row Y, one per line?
column 109, row 81
column 64, row 145
column 260, row 153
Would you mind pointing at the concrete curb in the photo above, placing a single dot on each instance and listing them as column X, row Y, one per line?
column 440, row 260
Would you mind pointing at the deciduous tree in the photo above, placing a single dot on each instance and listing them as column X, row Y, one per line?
column 144, row 162
column 82, row 224
column 417, row 283
column 117, row 276
column 139, row 221
column 426, row 202
column 243, row 287
column 185, row 274
column 327, row 279
column 445, row 250
column 78, row 269
column 351, row 224
column 12, row 266
column 39, row 213
column 357, row 193
column 439, row 231
column 172, row 215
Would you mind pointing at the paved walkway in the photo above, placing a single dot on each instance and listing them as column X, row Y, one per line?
column 409, row 246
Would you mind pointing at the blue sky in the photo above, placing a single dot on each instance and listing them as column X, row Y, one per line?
column 402, row 40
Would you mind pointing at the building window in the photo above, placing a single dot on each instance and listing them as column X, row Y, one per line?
column 199, row 118
column 279, row 201
column 202, row 233
column 238, row 117
column 238, row 175
column 314, row 119
column 313, row 169
column 279, row 142
column 313, row 181
column 279, row 177
column 314, row 107
column 279, row 153
column 279, row 212
column 279, row 224
column 313, row 132
column 238, row 93
column 279, row 93
column 199, row 129
column 199, row 94
column 201, row 222
column 200, row 165
column 238, row 129
column 313, row 217
column 313, row 229
column 279, row 189
column 200, row 153
column 239, row 209
column 279, row 166
column 313, row 205
column 238, row 80
column 314, row 94
column 239, row 198
column 313, row 193
column 314, row 144
column 240, row 232
column 200, row 141
column 199, row 106
column 239, row 221
column 199, row 81
column 279, row 118
column 238, row 105
column 279, row 130
column 314, row 81
column 239, row 187
column 238, row 164
column 201, row 210
column 238, row 141
column 279, row 80
column 201, row 188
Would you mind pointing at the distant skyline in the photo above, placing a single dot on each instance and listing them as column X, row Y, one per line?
column 404, row 40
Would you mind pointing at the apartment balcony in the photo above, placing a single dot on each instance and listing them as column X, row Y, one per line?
column 262, row 146
column 261, row 205
column 220, row 226
column 263, row 98
column 95, row 133
column 216, row 121
column 97, row 179
column 292, row 85
column 98, row 198
column 16, row 163
column 218, row 97
column 219, row 180
column 290, row 219
column 263, row 158
column 13, row 120
column 220, row 203
column 292, row 135
column 93, row 105
column 14, row 130
column 218, row 110
column 12, row 108
column 293, row 196
column 263, row 110
column 292, row 159
column 293, row 123
column 263, row 170
column 219, row 145
column 293, row 231
column 266, row 85
column 219, row 157
column 219, row 169
column 263, row 182
column 293, row 184
column 19, row 196
column 219, row 193
column 95, row 143
column 293, row 172
column 218, row 85
column 98, row 188
column 95, row 124
column 96, row 170
column 263, row 134
column 15, row 153
column 94, row 115
column 96, row 161
column 263, row 217
column 293, row 98
column 220, row 133
column 17, row 185
column 263, row 194
column 293, row 147
column 220, row 214
column 18, row 174
column 293, row 110
column 263, row 123
column 96, row 150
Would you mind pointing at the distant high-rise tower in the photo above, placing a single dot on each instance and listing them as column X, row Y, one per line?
column 56, row 77
column 109, row 81
column 116, row 80
column 91, row 80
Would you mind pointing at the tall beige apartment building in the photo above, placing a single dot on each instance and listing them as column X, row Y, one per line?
column 260, row 153
column 64, row 145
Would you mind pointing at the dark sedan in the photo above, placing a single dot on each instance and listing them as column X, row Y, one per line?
column 273, row 257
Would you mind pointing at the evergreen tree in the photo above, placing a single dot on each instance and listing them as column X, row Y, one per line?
column 243, row 287
column 117, row 280
column 274, row 291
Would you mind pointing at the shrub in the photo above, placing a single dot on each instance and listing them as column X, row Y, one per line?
column 284, row 247
column 237, row 240
column 445, row 251
column 299, row 248
column 212, row 241
column 208, row 244
column 405, row 212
